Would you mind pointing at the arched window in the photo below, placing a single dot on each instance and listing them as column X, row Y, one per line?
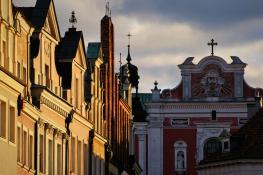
column 180, row 149
column 212, row 147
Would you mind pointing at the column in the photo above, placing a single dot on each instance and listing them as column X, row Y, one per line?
column 142, row 152
column 141, row 131
column 186, row 77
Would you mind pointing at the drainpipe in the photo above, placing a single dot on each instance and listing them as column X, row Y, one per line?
column 35, row 147
column 91, row 136
column 68, row 120
column 66, row 166
column 108, row 156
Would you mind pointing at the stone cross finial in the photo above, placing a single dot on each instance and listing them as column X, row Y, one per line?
column 155, row 85
column 73, row 19
column 212, row 44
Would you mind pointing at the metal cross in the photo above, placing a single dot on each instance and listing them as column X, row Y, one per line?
column 129, row 37
column 212, row 44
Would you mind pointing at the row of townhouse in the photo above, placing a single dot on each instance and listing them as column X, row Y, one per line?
column 62, row 110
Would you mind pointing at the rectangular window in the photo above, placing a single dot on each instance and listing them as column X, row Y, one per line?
column 85, row 157
column 56, row 90
column 47, row 76
column 5, row 58
column 50, row 157
column 64, row 94
column 59, row 160
column 3, row 119
column 18, row 73
column 76, row 93
column 12, row 124
column 30, row 152
column 18, row 144
column 73, row 154
column 79, row 157
column 226, row 145
column 39, row 79
column 24, row 74
column 93, row 164
column 41, row 151
column 213, row 114
column 25, row 147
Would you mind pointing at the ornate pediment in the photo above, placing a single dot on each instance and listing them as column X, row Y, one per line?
column 212, row 82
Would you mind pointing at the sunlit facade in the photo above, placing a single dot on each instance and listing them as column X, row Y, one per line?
column 53, row 118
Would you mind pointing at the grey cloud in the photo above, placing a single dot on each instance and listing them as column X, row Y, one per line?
column 204, row 12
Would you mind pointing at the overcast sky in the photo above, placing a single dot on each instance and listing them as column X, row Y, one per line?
column 166, row 32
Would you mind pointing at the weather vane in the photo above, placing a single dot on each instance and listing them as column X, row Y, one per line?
column 73, row 19
column 212, row 44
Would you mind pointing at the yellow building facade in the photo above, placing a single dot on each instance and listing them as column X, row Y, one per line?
column 52, row 98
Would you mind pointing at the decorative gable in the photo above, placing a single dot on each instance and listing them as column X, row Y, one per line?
column 80, row 55
column 211, row 79
column 51, row 25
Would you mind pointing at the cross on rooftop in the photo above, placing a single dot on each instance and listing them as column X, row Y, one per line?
column 212, row 44
column 155, row 85
column 129, row 37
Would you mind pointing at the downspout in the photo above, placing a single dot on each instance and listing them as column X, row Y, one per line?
column 91, row 136
column 66, row 166
column 68, row 120
column 108, row 156
column 35, row 147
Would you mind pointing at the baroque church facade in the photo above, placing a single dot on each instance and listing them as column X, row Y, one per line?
column 183, row 126
column 62, row 110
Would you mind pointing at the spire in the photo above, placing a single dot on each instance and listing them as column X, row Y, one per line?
column 129, row 56
column 73, row 19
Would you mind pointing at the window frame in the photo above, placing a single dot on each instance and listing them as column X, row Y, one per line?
column 210, row 145
column 13, row 129
column 3, row 124
column 180, row 146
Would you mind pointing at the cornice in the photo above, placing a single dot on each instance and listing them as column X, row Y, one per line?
column 45, row 96
column 11, row 81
